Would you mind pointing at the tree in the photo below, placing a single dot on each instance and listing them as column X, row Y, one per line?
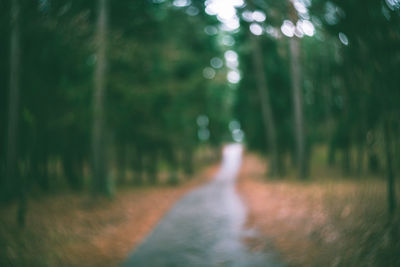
column 368, row 37
column 13, row 177
column 267, row 114
column 297, row 96
column 101, row 181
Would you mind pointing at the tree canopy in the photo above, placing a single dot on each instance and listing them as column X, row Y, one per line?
column 181, row 74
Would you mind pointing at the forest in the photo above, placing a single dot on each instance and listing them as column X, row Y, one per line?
column 102, row 99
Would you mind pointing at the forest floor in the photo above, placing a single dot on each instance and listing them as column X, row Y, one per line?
column 319, row 223
column 322, row 222
column 73, row 230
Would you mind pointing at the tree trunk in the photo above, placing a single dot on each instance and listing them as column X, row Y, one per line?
column 13, row 108
column 295, row 71
column 100, row 177
column 391, row 193
column 297, row 95
column 266, row 108
column 12, row 176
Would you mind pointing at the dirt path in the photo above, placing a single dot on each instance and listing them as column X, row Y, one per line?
column 204, row 228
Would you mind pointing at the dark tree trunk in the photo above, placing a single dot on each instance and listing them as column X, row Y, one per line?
column 391, row 193
column 295, row 71
column 13, row 177
column 101, row 183
column 266, row 108
column 297, row 95
column 13, row 108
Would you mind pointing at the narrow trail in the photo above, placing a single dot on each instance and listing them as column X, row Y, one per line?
column 204, row 228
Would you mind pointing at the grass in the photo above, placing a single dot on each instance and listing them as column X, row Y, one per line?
column 323, row 222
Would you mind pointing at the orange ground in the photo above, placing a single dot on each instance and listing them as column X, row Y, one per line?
column 70, row 230
column 340, row 223
column 307, row 224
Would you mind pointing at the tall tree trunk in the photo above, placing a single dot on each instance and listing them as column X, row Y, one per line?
column 13, row 108
column 295, row 73
column 12, row 176
column 266, row 108
column 100, row 176
column 391, row 193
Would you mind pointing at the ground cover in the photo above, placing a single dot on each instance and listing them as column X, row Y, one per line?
column 75, row 230
column 326, row 222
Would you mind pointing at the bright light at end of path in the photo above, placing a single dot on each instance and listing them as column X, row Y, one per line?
column 233, row 149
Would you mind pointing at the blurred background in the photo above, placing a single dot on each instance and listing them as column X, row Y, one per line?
column 98, row 95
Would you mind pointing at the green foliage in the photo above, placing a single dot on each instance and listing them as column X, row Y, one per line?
column 156, row 89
